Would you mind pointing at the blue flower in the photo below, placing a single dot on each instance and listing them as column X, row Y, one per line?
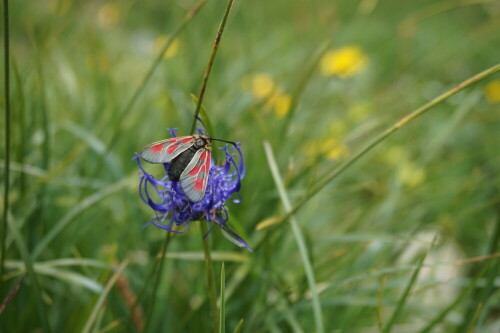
column 174, row 211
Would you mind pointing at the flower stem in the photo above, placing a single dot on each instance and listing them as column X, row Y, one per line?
column 210, row 63
column 158, row 278
column 210, row 277
column 6, row 175
column 384, row 135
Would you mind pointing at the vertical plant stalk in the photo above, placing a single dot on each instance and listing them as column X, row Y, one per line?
column 215, row 47
column 210, row 277
column 222, row 316
column 384, row 135
column 6, row 175
column 299, row 239
column 157, row 280
column 209, row 270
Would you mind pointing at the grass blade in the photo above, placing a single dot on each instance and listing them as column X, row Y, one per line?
column 28, row 261
column 6, row 176
column 299, row 238
column 222, row 318
column 13, row 293
column 404, row 297
column 238, row 327
column 111, row 282
column 438, row 319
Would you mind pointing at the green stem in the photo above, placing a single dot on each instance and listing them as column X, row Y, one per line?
column 6, row 175
column 384, row 135
column 210, row 277
column 157, row 281
column 215, row 47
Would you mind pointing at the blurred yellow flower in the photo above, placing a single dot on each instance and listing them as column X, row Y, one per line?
column 492, row 91
column 280, row 103
column 261, row 85
column 344, row 62
column 108, row 16
column 410, row 175
column 172, row 50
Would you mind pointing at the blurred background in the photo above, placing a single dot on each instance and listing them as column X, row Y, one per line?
column 316, row 79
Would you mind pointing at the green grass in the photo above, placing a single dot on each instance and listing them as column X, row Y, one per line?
column 342, row 254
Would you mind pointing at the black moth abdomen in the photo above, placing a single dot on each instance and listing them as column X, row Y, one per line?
column 179, row 164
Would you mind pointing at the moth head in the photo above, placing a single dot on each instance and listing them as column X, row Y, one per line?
column 201, row 141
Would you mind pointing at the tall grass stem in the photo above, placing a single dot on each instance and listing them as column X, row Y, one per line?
column 215, row 47
column 6, row 175
column 158, row 278
column 210, row 277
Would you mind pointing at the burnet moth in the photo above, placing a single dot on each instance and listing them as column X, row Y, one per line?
column 189, row 157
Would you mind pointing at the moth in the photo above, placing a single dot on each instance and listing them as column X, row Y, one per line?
column 189, row 157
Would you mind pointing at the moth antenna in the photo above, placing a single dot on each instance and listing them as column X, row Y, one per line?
column 231, row 142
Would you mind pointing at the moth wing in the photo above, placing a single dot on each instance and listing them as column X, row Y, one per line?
column 194, row 178
column 165, row 151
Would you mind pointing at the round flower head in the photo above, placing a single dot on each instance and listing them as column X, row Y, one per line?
column 174, row 211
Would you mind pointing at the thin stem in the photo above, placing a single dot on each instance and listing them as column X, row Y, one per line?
column 210, row 63
column 6, row 175
column 157, row 281
column 210, row 277
column 384, row 135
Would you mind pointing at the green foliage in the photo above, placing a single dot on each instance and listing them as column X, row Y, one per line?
column 318, row 80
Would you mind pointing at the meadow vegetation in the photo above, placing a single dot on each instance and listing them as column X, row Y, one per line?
column 405, row 239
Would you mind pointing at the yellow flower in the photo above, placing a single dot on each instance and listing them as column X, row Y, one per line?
column 280, row 103
column 172, row 50
column 108, row 16
column 492, row 91
column 344, row 62
column 261, row 85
